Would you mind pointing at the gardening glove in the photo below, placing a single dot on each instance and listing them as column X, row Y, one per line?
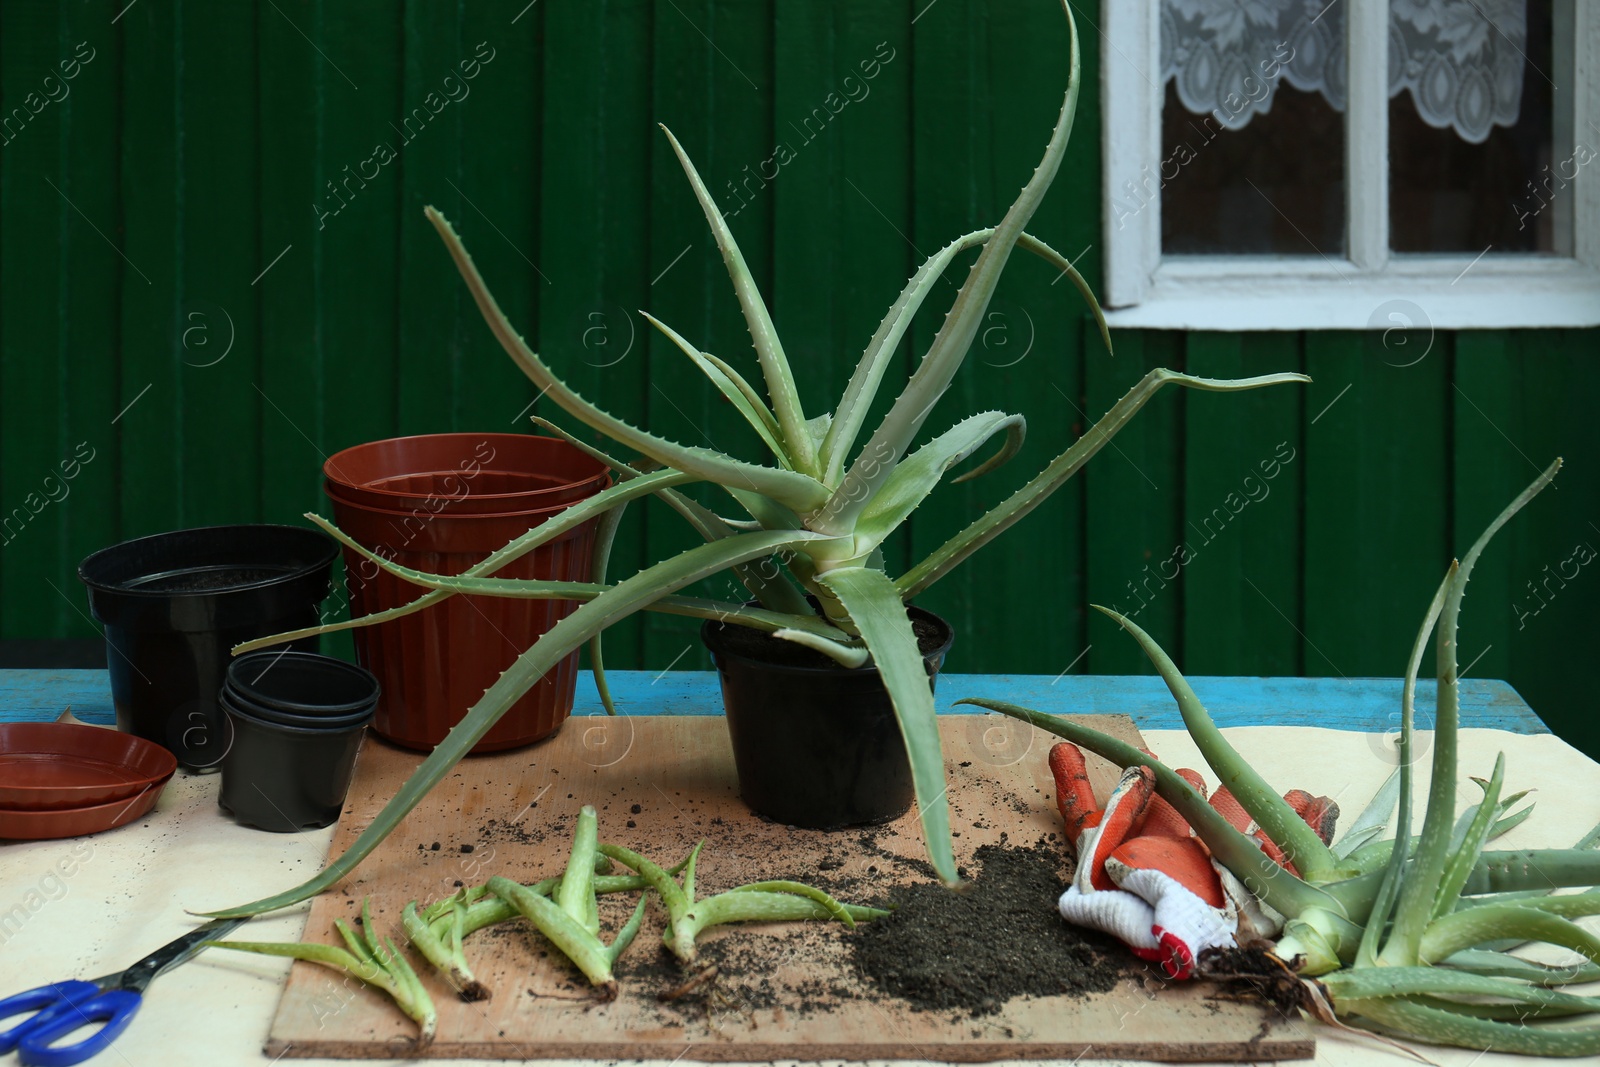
column 1145, row 878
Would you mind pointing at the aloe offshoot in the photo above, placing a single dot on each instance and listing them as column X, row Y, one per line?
column 374, row 960
column 570, row 915
column 771, row 901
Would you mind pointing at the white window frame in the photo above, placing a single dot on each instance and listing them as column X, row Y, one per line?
column 1358, row 290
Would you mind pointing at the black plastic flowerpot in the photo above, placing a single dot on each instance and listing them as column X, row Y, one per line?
column 174, row 605
column 816, row 744
column 300, row 689
column 287, row 778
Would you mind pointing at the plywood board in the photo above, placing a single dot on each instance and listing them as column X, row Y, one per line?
column 782, row 991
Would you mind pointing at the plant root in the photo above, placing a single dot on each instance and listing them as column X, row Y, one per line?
column 693, row 982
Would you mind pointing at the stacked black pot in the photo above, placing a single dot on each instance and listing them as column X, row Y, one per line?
column 295, row 722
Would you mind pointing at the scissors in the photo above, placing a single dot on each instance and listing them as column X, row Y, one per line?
column 62, row 1007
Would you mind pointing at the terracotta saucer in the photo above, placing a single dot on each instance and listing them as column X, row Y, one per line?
column 53, row 766
column 78, row 822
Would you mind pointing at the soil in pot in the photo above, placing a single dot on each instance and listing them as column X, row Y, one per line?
column 816, row 745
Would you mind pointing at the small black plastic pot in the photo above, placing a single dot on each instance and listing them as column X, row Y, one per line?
column 287, row 778
column 300, row 689
column 816, row 745
column 174, row 605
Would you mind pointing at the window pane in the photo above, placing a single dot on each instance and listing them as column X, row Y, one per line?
column 1470, row 127
column 1252, row 130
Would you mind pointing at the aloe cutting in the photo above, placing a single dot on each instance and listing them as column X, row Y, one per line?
column 1409, row 937
column 809, row 524
column 374, row 960
column 773, row 901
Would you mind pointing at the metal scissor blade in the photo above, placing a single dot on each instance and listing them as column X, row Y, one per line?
column 168, row 956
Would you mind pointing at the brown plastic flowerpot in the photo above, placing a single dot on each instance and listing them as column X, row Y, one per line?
column 435, row 664
column 464, row 473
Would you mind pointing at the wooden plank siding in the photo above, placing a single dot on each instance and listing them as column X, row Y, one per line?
column 215, row 272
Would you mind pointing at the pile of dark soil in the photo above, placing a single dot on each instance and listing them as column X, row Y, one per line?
column 998, row 937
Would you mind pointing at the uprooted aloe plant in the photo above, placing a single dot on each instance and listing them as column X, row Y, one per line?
column 1409, row 937
column 373, row 960
column 773, row 901
column 817, row 517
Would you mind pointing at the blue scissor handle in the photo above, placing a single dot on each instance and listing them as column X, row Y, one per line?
column 115, row 1009
column 41, row 1001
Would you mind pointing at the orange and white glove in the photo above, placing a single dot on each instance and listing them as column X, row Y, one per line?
column 1146, row 879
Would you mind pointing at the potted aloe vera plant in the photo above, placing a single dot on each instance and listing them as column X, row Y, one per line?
column 808, row 551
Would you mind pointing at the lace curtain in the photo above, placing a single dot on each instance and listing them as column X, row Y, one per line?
column 1461, row 60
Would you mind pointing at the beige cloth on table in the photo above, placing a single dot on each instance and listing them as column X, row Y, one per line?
column 128, row 889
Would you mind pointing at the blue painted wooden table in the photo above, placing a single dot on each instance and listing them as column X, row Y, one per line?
column 1365, row 704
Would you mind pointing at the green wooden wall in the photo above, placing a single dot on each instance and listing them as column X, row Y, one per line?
column 216, row 270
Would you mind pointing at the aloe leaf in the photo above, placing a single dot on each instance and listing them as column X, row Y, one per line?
column 786, row 906
column 851, row 656
column 629, row 931
column 879, row 354
column 755, row 413
column 1443, row 1027
column 622, row 600
column 796, row 489
column 401, row 984
column 774, row 590
column 659, row 878
column 1001, row 517
column 1543, row 868
column 486, row 909
column 535, row 589
column 1449, row 934
column 445, row 957
column 880, row 616
column 540, row 535
column 679, row 935
column 800, row 889
column 1566, row 905
column 774, row 364
column 370, row 932
column 1300, row 843
column 575, row 940
column 605, row 536
column 739, row 382
column 919, row 473
column 1477, row 961
column 1400, row 850
column 1372, row 819
column 358, row 948
column 960, row 326
column 1415, row 906
column 1362, row 983
column 1375, row 854
column 769, row 513
column 575, row 894
column 1466, row 855
column 875, row 361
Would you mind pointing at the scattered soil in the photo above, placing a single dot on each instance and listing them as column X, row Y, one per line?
column 997, row 938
